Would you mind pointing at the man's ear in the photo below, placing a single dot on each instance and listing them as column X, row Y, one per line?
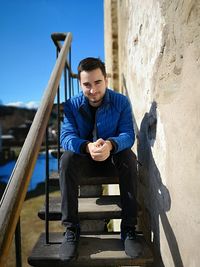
column 106, row 81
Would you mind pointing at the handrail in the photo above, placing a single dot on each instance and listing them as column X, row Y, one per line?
column 16, row 189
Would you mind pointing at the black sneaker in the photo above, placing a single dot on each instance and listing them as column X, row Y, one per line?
column 69, row 247
column 132, row 245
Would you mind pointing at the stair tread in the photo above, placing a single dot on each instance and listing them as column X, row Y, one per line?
column 94, row 250
column 110, row 179
column 103, row 207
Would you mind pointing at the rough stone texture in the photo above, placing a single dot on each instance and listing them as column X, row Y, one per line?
column 112, row 46
column 159, row 64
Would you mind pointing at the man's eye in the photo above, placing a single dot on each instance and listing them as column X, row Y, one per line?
column 98, row 82
column 87, row 85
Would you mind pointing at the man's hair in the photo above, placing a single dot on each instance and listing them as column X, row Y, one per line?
column 91, row 63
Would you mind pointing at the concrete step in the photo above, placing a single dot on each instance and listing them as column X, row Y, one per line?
column 103, row 207
column 94, row 250
column 110, row 179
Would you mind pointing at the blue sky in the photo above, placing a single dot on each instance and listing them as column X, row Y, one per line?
column 27, row 54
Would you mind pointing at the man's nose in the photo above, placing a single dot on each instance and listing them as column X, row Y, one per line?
column 93, row 90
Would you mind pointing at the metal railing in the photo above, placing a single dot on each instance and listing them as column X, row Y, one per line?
column 16, row 189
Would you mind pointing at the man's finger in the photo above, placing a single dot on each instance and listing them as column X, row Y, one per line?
column 100, row 142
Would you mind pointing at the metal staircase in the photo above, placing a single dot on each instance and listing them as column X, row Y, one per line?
column 98, row 245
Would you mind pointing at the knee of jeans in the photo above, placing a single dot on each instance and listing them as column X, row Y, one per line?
column 127, row 155
column 66, row 159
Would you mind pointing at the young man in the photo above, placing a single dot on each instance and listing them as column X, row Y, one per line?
column 97, row 134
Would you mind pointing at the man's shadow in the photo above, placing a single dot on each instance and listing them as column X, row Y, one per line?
column 155, row 195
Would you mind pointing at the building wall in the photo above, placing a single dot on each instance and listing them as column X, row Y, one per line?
column 158, row 65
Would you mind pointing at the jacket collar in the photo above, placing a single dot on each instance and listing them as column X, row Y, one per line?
column 84, row 107
column 106, row 99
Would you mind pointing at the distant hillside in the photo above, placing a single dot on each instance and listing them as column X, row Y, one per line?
column 13, row 117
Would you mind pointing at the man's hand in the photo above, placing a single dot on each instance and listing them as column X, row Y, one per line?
column 99, row 150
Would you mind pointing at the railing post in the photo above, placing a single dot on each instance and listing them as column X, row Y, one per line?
column 18, row 254
column 47, row 188
column 65, row 82
column 69, row 75
column 58, row 126
column 58, row 120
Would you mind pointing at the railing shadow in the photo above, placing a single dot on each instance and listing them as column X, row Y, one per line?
column 156, row 197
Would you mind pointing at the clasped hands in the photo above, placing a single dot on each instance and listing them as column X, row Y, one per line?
column 99, row 150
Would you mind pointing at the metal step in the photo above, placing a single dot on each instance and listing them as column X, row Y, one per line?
column 54, row 180
column 103, row 207
column 94, row 250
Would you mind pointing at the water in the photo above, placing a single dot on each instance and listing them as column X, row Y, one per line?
column 38, row 175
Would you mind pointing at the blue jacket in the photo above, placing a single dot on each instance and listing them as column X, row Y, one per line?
column 113, row 121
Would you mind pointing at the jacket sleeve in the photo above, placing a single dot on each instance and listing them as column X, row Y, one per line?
column 125, row 136
column 69, row 138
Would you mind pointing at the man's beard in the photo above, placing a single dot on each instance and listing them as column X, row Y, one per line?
column 96, row 101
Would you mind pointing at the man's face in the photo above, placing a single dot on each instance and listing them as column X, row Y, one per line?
column 94, row 85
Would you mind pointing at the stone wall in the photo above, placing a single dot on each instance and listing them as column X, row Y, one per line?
column 158, row 55
column 111, row 28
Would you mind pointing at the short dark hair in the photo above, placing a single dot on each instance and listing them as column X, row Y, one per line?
column 91, row 63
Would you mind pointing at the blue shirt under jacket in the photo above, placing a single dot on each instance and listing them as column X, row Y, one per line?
column 113, row 121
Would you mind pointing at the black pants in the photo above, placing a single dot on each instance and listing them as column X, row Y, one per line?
column 73, row 166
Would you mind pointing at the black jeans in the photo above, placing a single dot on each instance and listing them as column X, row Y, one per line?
column 73, row 166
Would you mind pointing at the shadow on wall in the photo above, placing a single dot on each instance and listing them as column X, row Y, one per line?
column 155, row 195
